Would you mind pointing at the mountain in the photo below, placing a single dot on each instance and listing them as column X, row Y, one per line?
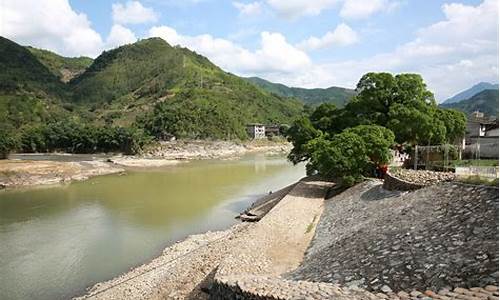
column 173, row 90
column 65, row 68
column 485, row 101
column 471, row 92
column 29, row 91
column 336, row 95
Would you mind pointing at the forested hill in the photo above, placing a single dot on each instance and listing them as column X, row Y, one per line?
column 148, row 85
column 65, row 68
column 485, row 101
column 336, row 95
column 175, row 91
column 29, row 91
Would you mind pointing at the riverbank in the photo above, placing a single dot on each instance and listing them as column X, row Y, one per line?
column 186, row 269
column 202, row 149
column 31, row 172
column 22, row 173
column 440, row 242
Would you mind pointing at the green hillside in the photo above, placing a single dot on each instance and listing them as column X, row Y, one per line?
column 485, row 101
column 173, row 90
column 29, row 92
column 336, row 95
column 65, row 68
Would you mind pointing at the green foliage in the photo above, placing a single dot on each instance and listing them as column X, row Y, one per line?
column 343, row 157
column 454, row 121
column 64, row 68
column 300, row 133
column 126, row 95
column 8, row 142
column 348, row 143
column 377, row 142
column 351, row 154
column 73, row 137
column 334, row 95
column 182, row 93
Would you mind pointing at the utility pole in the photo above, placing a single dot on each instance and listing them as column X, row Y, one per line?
column 416, row 157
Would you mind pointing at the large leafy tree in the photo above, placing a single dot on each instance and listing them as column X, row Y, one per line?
column 300, row 133
column 351, row 154
column 348, row 143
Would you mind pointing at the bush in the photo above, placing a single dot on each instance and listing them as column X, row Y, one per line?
column 8, row 143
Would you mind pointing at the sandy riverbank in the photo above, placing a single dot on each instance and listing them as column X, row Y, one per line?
column 19, row 173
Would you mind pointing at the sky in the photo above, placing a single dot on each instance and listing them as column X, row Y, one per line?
column 306, row 43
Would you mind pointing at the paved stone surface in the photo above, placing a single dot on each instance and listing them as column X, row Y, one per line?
column 439, row 236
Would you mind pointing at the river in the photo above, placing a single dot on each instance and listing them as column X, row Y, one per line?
column 57, row 241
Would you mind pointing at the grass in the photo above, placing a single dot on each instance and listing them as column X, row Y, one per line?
column 475, row 163
column 311, row 225
column 478, row 180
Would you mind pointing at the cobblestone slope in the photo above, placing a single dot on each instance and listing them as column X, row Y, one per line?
column 438, row 237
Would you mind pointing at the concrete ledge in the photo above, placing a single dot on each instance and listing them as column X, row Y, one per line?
column 392, row 183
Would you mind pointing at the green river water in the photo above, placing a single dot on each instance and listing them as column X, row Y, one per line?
column 56, row 241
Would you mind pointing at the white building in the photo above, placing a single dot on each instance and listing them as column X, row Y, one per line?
column 256, row 131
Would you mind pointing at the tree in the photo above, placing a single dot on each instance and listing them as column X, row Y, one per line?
column 351, row 154
column 379, row 92
column 8, row 142
column 300, row 133
column 377, row 139
column 455, row 122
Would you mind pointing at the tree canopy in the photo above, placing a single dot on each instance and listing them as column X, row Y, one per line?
column 387, row 109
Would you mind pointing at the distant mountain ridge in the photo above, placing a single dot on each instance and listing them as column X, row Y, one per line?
column 477, row 88
column 336, row 95
column 485, row 101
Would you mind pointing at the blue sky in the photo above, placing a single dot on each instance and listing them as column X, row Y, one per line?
column 308, row 43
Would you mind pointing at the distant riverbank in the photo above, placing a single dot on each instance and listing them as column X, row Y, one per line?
column 34, row 170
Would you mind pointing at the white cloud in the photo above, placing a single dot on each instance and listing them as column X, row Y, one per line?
column 248, row 9
column 357, row 9
column 49, row 24
column 133, row 13
column 451, row 55
column 275, row 54
column 343, row 35
column 119, row 36
column 292, row 9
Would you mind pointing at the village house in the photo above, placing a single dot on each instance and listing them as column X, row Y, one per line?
column 481, row 137
column 256, row 131
column 260, row 131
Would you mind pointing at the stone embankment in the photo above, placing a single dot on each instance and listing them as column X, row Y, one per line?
column 435, row 239
column 19, row 173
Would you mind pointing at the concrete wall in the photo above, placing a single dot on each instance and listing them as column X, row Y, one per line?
column 486, row 146
column 489, row 172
